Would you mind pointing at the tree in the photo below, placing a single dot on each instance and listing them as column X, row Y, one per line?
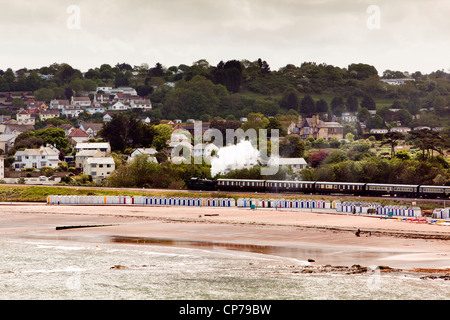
column 44, row 94
column 68, row 92
column 362, row 71
column 4, row 87
column 292, row 146
column 290, row 99
column 163, row 133
column 392, row 138
column 352, row 104
column 368, row 103
column 307, row 106
column 123, row 131
column 321, row 106
column 229, row 74
column 337, row 106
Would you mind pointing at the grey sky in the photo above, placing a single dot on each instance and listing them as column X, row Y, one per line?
column 413, row 35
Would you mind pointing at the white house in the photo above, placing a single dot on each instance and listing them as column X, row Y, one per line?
column 150, row 152
column 205, row 150
column 81, row 156
column 7, row 142
column 107, row 118
column 379, row 131
column 72, row 111
column 401, row 129
column 81, row 101
column 104, row 89
column 37, row 158
column 117, row 106
column 296, row 164
column 96, row 108
column 144, row 104
column 100, row 146
column 59, row 104
column 99, row 168
column 24, row 117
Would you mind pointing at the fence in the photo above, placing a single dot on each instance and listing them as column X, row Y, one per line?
column 282, row 203
column 140, row 200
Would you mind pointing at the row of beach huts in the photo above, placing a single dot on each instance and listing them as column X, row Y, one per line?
column 336, row 206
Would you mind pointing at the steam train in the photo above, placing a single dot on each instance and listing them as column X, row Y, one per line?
column 319, row 187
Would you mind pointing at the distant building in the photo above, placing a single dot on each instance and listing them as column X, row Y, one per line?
column 100, row 146
column 296, row 164
column 150, row 152
column 81, row 101
column 2, row 168
column 91, row 128
column 48, row 114
column 37, row 158
column 396, row 82
column 316, row 128
column 77, row 136
column 99, row 168
column 403, row 130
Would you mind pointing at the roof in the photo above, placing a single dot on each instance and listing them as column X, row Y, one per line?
column 100, row 160
column 81, row 99
column 92, row 145
column 92, row 125
column 7, row 137
column 88, row 153
column 78, row 133
column 288, row 161
column 37, row 152
column 149, row 151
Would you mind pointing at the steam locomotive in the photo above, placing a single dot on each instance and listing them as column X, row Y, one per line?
column 319, row 187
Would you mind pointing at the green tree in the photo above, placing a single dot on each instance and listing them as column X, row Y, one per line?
column 292, row 146
column 307, row 106
column 163, row 133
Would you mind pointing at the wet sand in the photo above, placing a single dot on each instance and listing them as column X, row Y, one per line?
column 320, row 238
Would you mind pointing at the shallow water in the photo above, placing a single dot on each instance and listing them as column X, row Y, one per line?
column 52, row 269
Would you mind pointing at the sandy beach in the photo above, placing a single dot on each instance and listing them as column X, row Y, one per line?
column 320, row 238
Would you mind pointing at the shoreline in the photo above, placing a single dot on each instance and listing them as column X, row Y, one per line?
column 325, row 239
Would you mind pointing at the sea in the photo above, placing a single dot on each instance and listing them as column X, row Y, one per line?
column 36, row 269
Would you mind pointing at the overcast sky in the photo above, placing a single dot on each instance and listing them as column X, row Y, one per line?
column 404, row 35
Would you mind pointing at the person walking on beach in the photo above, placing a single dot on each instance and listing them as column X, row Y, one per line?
column 354, row 210
column 358, row 233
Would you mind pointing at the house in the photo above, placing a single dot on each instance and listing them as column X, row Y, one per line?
column 99, row 167
column 144, row 104
column 349, row 117
column 4, row 118
column 23, row 117
column 104, row 89
column 396, row 82
column 67, row 127
column 36, row 107
column 17, row 129
column 403, row 130
column 77, row 136
column 378, row 131
column 107, row 117
column 126, row 90
column 316, row 128
column 81, row 156
column 7, row 142
column 72, row 111
column 100, row 146
column 296, row 164
column 205, row 150
column 91, row 128
column 80, row 101
column 150, row 152
column 37, row 158
column 117, row 106
column 48, row 114
column 96, row 108
column 59, row 104
column 102, row 98
column 196, row 129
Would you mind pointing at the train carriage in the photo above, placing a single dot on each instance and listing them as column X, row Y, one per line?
column 340, row 187
column 241, row 185
column 442, row 192
column 275, row 186
column 403, row 190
